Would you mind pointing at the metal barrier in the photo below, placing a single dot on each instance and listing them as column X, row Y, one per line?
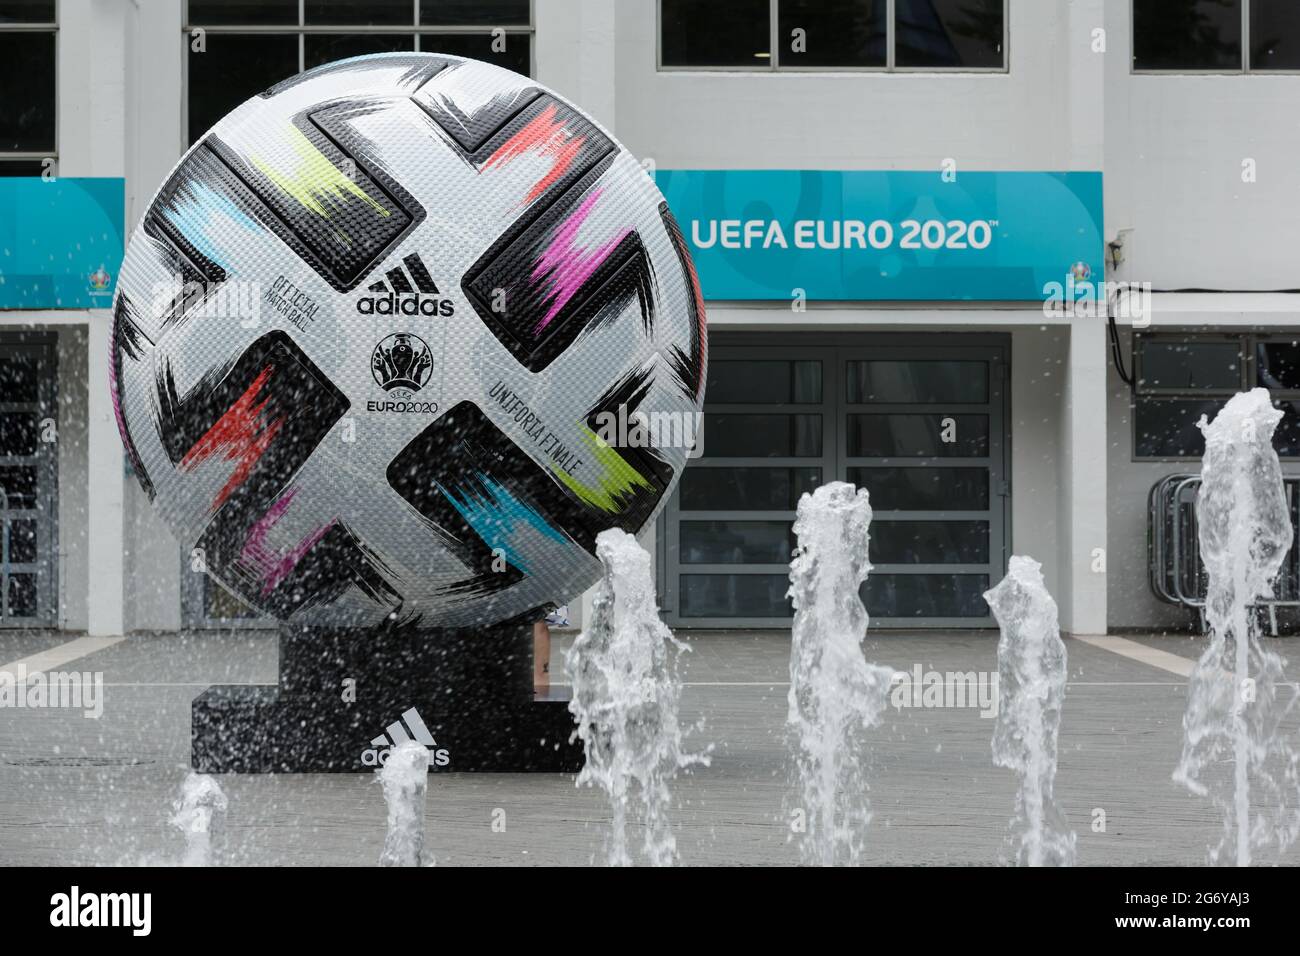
column 1174, row 566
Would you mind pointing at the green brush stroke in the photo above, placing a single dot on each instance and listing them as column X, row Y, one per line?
column 618, row 479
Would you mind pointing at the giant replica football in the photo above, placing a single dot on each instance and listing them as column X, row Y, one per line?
column 369, row 331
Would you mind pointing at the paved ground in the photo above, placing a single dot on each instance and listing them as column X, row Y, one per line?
column 80, row 791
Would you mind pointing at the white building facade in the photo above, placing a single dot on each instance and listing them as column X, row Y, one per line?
column 1186, row 120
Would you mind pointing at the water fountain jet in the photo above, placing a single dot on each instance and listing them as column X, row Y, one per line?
column 1031, row 688
column 626, row 689
column 197, row 812
column 1235, row 713
column 405, row 779
column 835, row 694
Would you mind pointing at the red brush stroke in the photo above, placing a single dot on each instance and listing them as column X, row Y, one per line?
column 700, row 320
column 240, row 435
column 548, row 136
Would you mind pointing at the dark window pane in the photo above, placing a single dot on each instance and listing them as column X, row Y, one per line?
column 19, row 434
column 18, row 377
column 243, row 13
column 923, row 489
column 233, row 69
column 746, row 489
column 918, row 436
column 389, row 13
column 1286, row 438
column 917, row 382
column 926, row 595
column 1187, row 34
column 953, row 34
column 834, row 32
column 220, row 605
column 1166, row 427
column 18, row 484
column 27, row 92
column 929, row 542
column 26, row 11
column 716, row 33
column 1277, row 364
column 320, row 48
column 1274, row 35
column 735, row 595
column 22, row 595
column 759, row 381
column 762, row 436
column 1190, row 365
column 22, row 167
column 22, row 541
column 516, row 56
column 736, row 542
column 460, row 13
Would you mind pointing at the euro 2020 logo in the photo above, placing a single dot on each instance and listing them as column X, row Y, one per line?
column 401, row 361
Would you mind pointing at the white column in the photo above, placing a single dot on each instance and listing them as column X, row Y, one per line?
column 575, row 53
column 1083, row 497
column 104, row 531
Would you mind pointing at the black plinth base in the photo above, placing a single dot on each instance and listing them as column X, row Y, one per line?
column 345, row 697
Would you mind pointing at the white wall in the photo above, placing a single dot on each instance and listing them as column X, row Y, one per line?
column 1131, row 603
column 74, row 478
column 1174, row 149
column 1038, row 358
column 718, row 120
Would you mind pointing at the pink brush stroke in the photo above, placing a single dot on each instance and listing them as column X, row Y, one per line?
column 272, row 565
column 565, row 265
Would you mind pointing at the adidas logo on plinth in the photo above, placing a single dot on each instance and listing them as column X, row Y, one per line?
column 409, row 727
column 398, row 296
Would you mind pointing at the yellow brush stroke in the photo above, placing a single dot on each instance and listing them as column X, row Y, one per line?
column 313, row 177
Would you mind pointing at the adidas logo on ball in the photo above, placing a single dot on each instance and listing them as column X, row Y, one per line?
column 403, row 298
column 397, row 733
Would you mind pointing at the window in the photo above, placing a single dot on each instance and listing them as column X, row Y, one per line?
column 246, row 46
column 27, row 82
column 968, row 35
column 1216, row 36
column 1179, row 378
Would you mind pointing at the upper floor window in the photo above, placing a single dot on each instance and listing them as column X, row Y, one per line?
column 1178, row 378
column 27, row 71
column 967, row 35
column 1216, row 36
column 237, row 48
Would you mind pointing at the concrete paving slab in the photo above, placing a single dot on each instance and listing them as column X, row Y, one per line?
column 80, row 790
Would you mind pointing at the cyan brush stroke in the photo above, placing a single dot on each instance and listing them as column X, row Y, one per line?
column 202, row 215
column 496, row 515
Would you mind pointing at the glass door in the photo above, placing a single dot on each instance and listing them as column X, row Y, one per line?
column 28, row 481
column 918, row 422
column 923, row 433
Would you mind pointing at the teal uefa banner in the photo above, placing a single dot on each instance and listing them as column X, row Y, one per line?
column 867, row 235
column 61, row 241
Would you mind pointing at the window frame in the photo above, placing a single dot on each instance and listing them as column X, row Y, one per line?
column 1247, row 341
column 1243, row 69
column 301, row 30
column 774, row 67
column 7, row 156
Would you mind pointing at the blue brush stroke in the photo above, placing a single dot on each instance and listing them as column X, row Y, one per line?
column 496, row 516
column 194, row 213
